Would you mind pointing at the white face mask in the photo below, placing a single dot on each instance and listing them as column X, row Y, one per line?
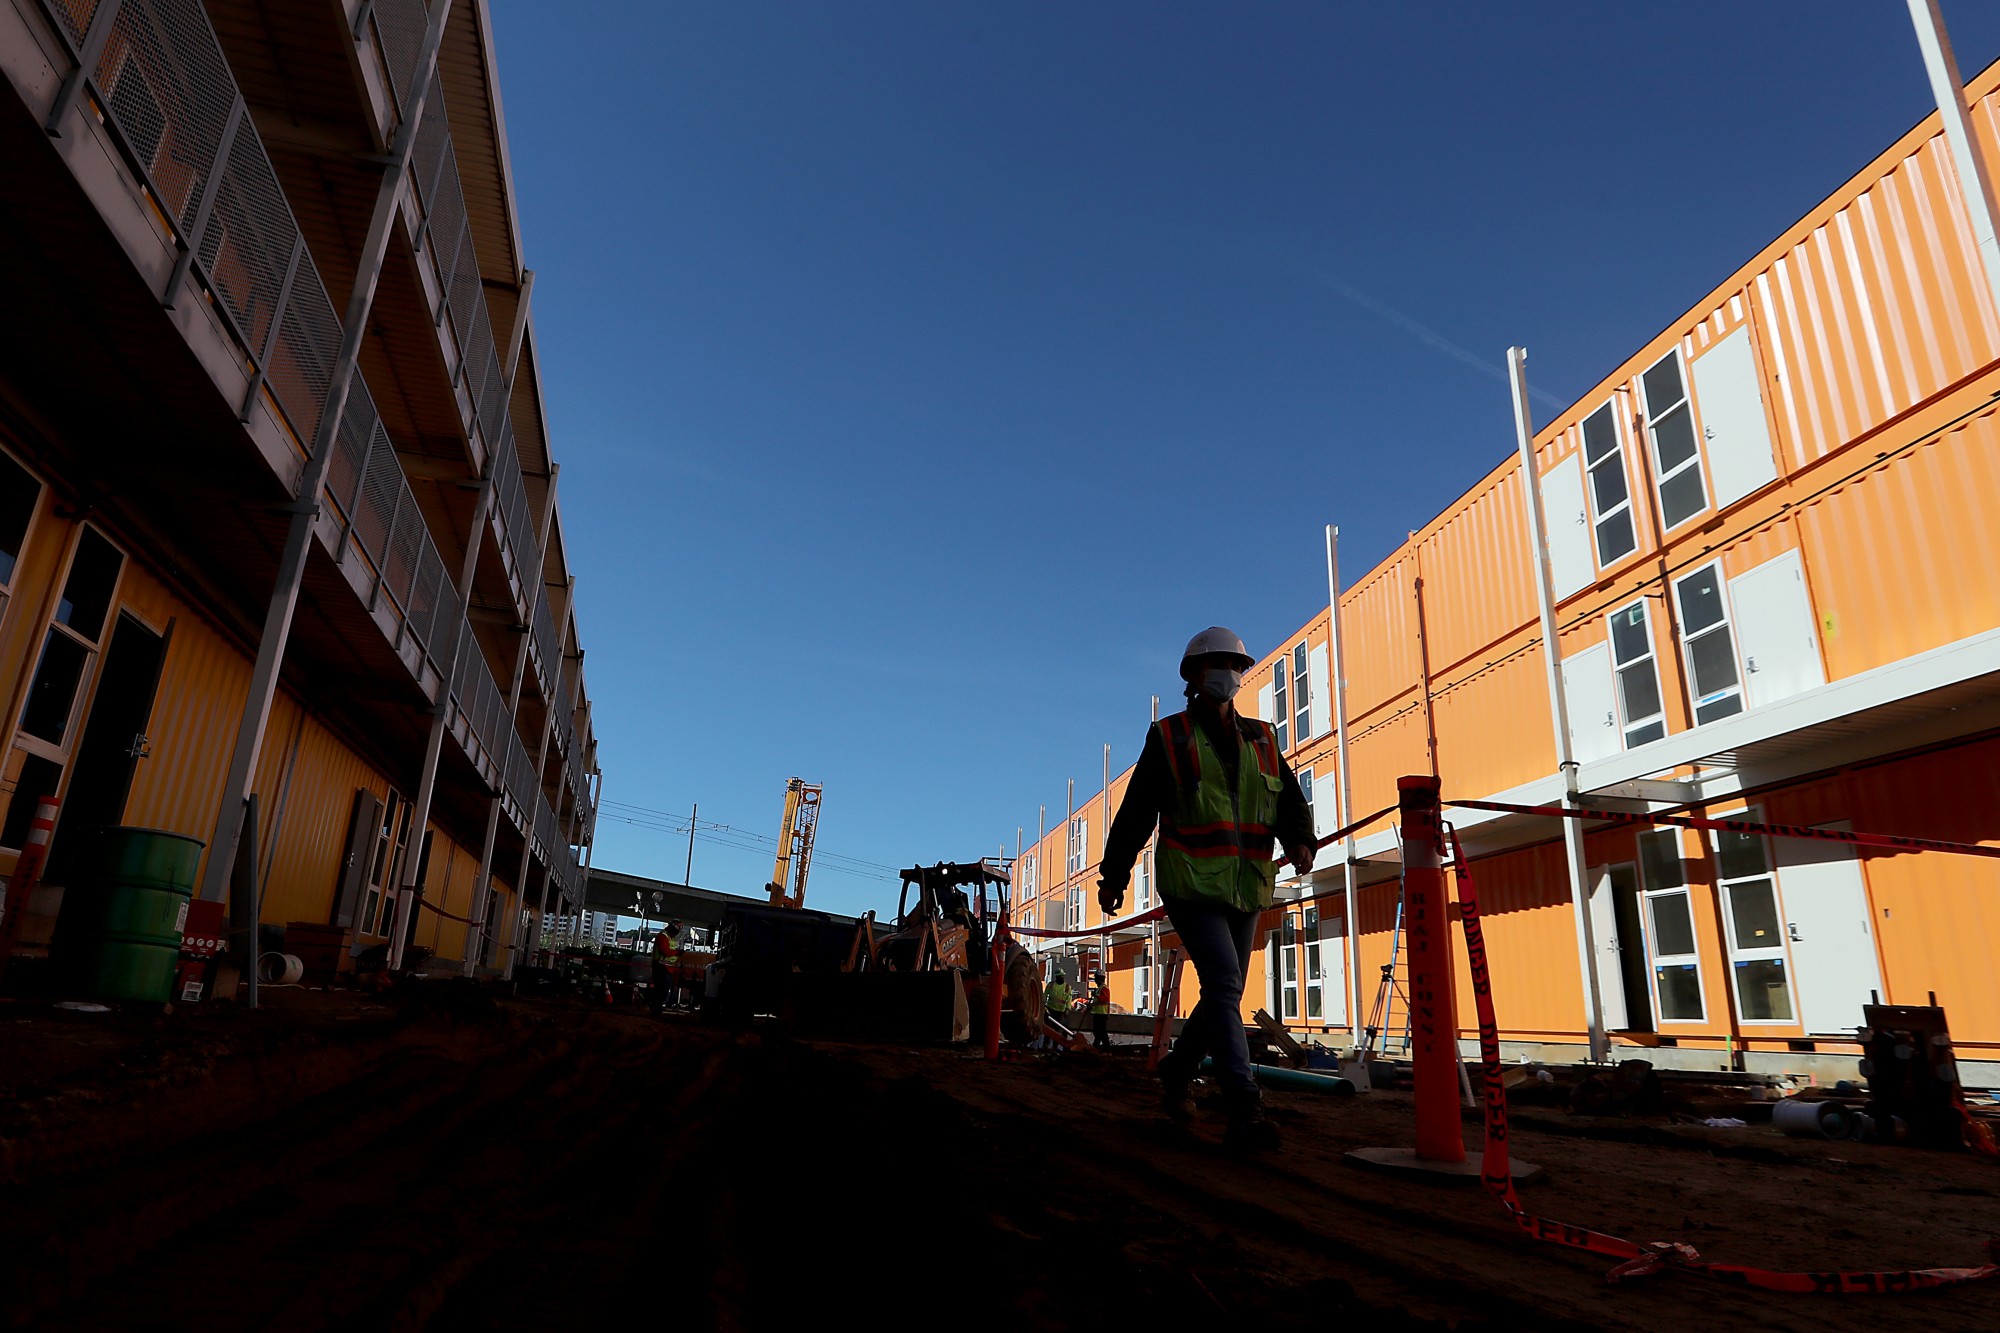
column 1219, row 683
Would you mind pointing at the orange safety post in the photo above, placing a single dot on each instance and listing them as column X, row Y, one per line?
column 1440, row 1149
column 1433, row 1004
column 27, row 871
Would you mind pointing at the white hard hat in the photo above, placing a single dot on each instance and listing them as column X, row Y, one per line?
column 1217, row 641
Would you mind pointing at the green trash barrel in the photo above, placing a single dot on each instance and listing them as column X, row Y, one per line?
column 123, row 911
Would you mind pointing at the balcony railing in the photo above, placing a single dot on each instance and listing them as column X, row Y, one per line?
column 157, row 78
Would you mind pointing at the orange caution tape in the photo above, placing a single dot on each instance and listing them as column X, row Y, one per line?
column 1639, row 1260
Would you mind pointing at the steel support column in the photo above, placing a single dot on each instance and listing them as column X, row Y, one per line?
column 1538, row 551
column 1974, row 184
column 1346, row 788
column 305, row 511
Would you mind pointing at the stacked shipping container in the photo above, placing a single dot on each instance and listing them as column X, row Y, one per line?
column 1765, row 535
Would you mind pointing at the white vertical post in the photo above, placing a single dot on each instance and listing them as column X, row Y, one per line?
column 1346, row 787
column 305, row 510
column 1973, row 182
column 1538, row 554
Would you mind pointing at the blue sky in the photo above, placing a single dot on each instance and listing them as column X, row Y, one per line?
column 924, row 374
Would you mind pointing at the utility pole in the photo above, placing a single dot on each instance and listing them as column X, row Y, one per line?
column 687, row 877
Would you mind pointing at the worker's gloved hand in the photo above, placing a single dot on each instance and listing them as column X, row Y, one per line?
column 1110, row 897
column 1301, row 855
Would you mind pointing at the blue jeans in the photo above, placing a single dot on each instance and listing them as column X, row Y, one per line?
column 1218, row 941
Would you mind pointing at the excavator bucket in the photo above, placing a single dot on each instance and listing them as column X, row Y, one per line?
column 883, row 1006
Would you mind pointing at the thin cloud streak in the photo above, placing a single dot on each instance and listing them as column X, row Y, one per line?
column 1425, row 334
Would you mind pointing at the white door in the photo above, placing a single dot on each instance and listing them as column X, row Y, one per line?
column 1572, row 566
column 1775, row 631
column 1733, row 424
column 1604, row 947
column 1828, row 927
column 1593, row 711
column 1319, row 694
column 1326, row 818
column 1333, row 967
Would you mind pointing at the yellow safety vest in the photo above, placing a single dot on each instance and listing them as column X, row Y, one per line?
column 1216, row 843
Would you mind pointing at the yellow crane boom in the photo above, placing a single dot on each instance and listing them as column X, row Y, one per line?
column 795, row 844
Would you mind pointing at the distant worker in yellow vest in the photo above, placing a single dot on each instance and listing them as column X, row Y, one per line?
column 1100, row 1010
column 1056, row 998
column 1223, row 797
column 667, row 966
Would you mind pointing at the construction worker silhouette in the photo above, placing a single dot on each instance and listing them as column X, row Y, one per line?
column 1100, row 1011
column 1221, row 795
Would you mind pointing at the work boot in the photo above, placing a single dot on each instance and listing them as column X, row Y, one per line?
column 1248, row 1130
column 1175, row 1078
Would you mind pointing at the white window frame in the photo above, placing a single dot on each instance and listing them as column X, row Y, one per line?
column 1288, row 969
column 1627, row 724
column 27, row 533
column 1727, row 625
column 1301, row 694
column 1142, row 981
column 1655, row 960
column 392, row 842
column 1281, row 707
column 1661, row 474
column 59, row 752
column 1616, row 458
column 1737, row 952
column 1142, row 875
column 1313, row 991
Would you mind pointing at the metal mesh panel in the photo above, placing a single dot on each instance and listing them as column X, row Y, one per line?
column 400, row 25
column 170, row 92
column 478, row 369
column 375, row 505
column 462, row 296
column 399, row 559
column 302, row 360
column 420, row 607
column 446, row 215
column 249, row 239
column 493, row 398
column 75, row 17
column 350, row 456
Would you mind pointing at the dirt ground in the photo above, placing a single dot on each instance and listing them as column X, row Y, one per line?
column 457, row 1162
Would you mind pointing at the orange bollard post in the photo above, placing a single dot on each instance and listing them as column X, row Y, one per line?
column 1433, row 1001
column 27, row 872
column 1434, row 1058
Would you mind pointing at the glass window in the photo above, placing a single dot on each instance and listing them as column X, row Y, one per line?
column 19, row 493
column 93, row 576
column 1281, row 708
column 1761, row 990
column 1756, row 935
column 1663, row 381
column 1683, row 494
column 1673, row 923
column 1660, row 859
column 1638, row 674
column 1301, row 696
column 1314, row 989
column 1753, row 914
column 1701, row 601
column 1306, row 786
column 1739, row 855
column 53, row 694
column 1710, row 645
column 1679, row 987
column 1610, row 493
